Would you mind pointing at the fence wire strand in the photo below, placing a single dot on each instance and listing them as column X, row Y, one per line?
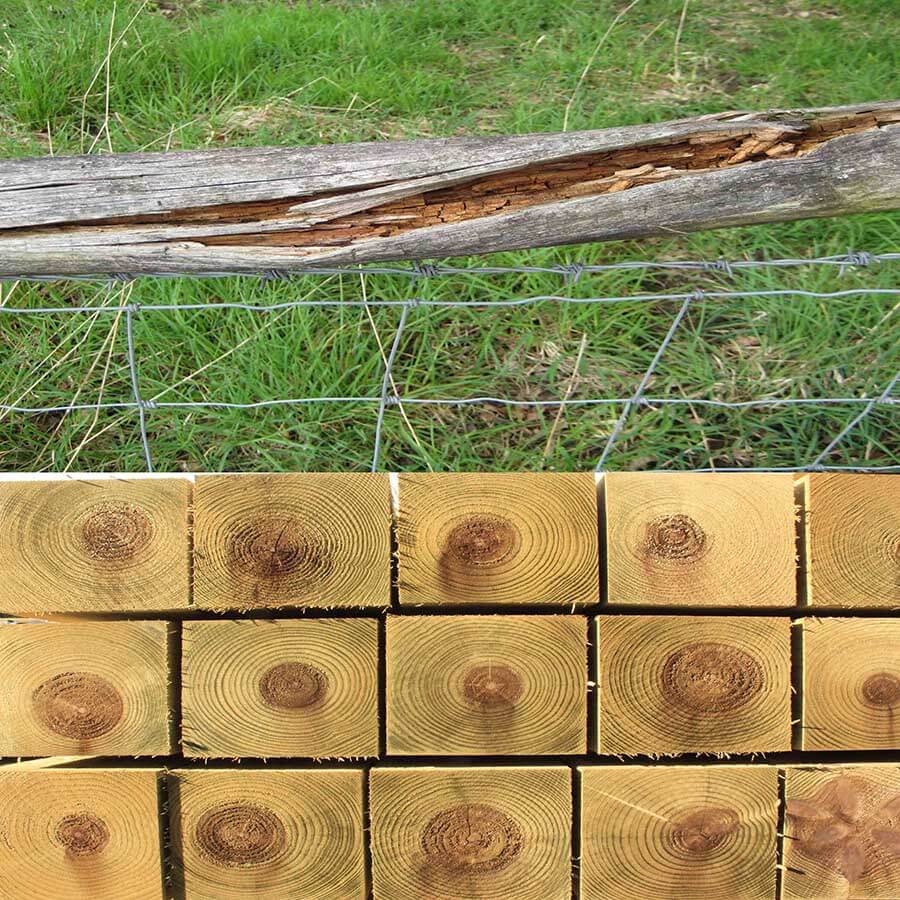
column 571, row 273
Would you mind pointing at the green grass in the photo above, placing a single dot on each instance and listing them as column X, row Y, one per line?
column 202, row 73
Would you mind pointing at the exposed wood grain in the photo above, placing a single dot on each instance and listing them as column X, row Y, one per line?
column 853, row 540
column 851, row 684
column 291, row 540
column 693, row 684
column 469, row 685
column 471, row 834
column 286, row 208
column 78, row 545
column 704, row 832
column 280, row 688
column 268, row 834
column 498, row 539
column 696, row 539
column 85, row 689
column 86, row 834
column 842, row 833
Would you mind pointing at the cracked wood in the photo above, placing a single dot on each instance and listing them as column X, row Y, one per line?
column 253, row 210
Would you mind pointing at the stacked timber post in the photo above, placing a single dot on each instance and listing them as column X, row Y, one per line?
column 450, row 687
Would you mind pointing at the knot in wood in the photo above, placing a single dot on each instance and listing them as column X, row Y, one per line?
column 706, row 677
column 492, row 686
column 481, row 540
column 240, row 834
column 293, row 685
column 703, row 831
column 881, row 690
column 77, row 705
column 82, row 834
column 114, row 532
column 278, row 546
column 675, row 538
column 473, row 838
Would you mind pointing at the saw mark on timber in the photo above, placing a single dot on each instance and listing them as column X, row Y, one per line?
column 272, row 547
column 115, row 532
column 881, row 690
column 675, row 538
column 492, row 686
column 78, row 705
column 293, row 685
column 707, row 678
column 82, row 834
column 702, row 832
column 472, row 838
column 480, row 540
column 240, row 835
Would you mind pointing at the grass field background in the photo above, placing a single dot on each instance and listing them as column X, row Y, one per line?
column 95, row 77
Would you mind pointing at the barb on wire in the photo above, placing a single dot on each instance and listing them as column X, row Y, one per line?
column 565, row 270
column 642, row 386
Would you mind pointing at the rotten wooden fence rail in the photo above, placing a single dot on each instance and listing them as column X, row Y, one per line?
column 249, row 210
column 381, row 641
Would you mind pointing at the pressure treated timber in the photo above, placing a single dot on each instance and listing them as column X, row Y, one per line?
column 80, row 834
column 851, row 684
column 498, row 539
column 853, row 540
column 275, row 688
column 699, row 832
column 85, row 689
column 693, row 684
column 261, row 209
column 308, row 540
column 842, row 833
column 471, row 834
column 268, row 834
column 472, row 685
column 94, row 545
column 700, row 539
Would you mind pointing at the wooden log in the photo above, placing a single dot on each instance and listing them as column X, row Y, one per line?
column 498, row 539
column 280, row 688
column 853, row 540
column 292, row 540
column 471, row 834
column 697, row 539
column 268, row 834
column 704, row 832
column 253, row 209
column 82, row 545
column 85, row 689
column 693, row 684
column 842, row 832
column 470, row 685
column 80, row 834
column 851, row 684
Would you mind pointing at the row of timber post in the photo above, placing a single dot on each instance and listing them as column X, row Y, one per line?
column 617, row 832
column 234, row 543
column 450, row 685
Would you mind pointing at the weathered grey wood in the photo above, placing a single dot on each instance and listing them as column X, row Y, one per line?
column 159, row 213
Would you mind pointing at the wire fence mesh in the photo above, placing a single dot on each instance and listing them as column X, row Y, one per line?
column 122, row 289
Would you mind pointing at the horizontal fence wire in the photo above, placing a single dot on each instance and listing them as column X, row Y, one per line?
column 571, row 273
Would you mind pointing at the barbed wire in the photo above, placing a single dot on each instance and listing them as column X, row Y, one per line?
column 571, row 273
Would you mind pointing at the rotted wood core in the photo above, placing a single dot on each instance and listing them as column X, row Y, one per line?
column 592, row 174
column 256, row 209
